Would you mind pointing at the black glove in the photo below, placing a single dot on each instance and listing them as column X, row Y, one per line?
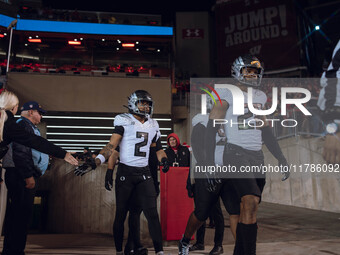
column 86, row 167
column 157, row 188
column 166, row 164
column 190, row 189
column 284, row 168
column 213, row 182
column 109, row 179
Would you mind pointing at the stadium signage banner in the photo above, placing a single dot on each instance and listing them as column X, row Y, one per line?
column 263, row 28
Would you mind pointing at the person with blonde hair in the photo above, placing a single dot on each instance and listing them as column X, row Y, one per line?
column 11, row 132
column 20, row 191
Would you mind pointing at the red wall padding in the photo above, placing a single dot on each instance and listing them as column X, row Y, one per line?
column 176, row 206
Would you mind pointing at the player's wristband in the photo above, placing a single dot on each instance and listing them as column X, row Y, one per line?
column 101, row 158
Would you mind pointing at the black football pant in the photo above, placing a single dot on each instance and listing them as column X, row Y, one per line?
column 137, row 182
column 18, row 213
column 218, row 218
column 133, row 241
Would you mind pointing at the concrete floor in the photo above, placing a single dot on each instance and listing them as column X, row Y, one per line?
column 282, row 230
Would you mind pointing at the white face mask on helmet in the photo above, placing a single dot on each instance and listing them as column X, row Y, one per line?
column 137, row 97
column 240, row 67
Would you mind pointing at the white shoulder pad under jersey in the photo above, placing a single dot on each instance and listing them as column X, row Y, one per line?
column 124, row 119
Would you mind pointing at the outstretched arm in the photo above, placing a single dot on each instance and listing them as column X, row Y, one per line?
column 105, row 153
column 108, row 150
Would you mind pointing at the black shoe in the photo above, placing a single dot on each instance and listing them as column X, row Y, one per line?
column 197, row 247
column 216, row 250
column 129, row 252
column 141, row 251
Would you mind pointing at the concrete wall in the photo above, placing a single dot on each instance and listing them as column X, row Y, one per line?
column 318, row 191
column 80, row 204
column 83, row 205
column 70, row 93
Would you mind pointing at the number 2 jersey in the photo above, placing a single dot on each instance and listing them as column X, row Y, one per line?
column 240, row 133
column 136, row 139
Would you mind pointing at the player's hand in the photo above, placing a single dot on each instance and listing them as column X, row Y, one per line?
column 166, row 165
column 331, row 148
column 109, row 179
column 70, row 159
column 30, row 183
column 86, row 167
column 213, row 182
column 284, row 168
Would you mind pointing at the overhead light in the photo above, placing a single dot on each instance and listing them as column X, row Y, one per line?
column 88, row 117
column 317, row 27
column 158, row 50
column 117, row 48
column 81, row 39
column 103, row 40
column 84, row 134
column 74, row 140
column 119, row 41
column 128, row 45
column 74, row 43
column 30, row 37
column 26, row 44
column 137, row 49
column 137, row 42
column 75, row 40
column 37, row 36
column 34, row 40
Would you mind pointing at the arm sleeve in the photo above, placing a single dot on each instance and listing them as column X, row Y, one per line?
column 153, row 165
column 271, row 142
column 197, row 143
column 119, row 130
column 15, row 133
column 210, row 143
column 158, row 145
column 22, row 156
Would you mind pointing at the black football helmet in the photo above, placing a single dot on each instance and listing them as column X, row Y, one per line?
column 247, row 61
column 140, row 96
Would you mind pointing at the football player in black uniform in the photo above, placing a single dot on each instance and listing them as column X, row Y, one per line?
column 242, row 149
column 135, row 132
column 133, row 245
column 329, row 103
